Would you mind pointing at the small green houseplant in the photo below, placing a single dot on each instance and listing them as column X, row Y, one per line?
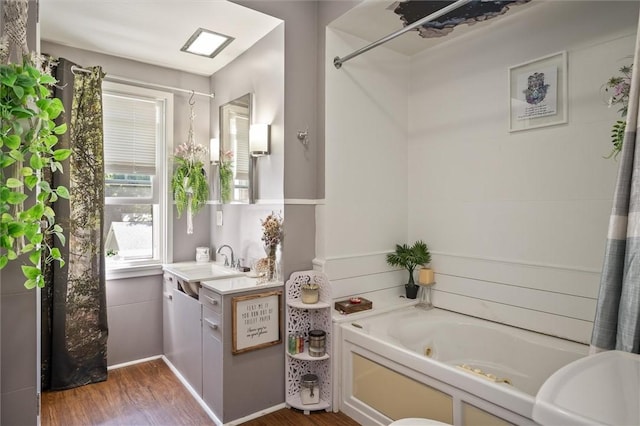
column 410, row 257
column 28, row 136
column 189, row 182
column 226, row 175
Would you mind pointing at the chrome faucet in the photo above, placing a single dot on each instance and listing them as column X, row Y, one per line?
column 226, row 259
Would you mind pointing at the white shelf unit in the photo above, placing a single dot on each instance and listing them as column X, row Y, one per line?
column 300, row 319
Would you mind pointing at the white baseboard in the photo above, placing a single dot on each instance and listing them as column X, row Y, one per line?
column 256, row 415
column 137, row 361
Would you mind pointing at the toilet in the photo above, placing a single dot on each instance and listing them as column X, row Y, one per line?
column 413, row 421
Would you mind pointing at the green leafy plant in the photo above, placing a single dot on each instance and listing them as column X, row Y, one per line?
column 226, row 175
column 189, row 181
column 619, row 87
column 28, row 136
column 409, row 257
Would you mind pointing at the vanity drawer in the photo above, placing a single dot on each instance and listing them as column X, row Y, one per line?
column 211, row 324
column 211, row 299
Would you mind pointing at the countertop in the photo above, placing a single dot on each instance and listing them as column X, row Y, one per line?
column 217, row 277
column 200, row 271
column 238, row 284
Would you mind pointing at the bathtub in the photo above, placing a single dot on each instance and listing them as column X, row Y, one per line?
column 445, row 366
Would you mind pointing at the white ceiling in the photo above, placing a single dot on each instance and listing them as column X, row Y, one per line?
column 153, row 31
column 372, row 20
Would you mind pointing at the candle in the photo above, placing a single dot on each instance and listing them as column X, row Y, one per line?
column 426, row 277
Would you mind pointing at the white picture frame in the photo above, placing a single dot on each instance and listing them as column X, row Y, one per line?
column 538, row 93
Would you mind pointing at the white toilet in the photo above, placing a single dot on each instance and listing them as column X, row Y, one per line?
column 417, row 422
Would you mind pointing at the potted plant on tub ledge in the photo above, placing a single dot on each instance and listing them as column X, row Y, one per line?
column 409, row 257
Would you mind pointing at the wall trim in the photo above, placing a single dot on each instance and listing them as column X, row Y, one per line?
column 130, row 363
column 257, row 414
column 519, row 262
column 321, row 261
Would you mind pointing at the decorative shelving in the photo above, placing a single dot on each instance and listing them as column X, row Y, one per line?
column 300, row 319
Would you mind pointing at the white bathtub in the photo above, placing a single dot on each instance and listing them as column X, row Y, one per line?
column 503, row 366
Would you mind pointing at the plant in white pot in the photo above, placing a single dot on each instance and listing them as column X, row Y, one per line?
column 410, row 257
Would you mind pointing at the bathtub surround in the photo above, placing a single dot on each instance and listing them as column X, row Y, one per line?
column 617, row 320
column 516, row 222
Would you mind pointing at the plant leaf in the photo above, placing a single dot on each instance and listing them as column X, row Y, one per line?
column 13, row 183
column 61, row 154
column 12, row 141
column 30, row 272
column 62, row 192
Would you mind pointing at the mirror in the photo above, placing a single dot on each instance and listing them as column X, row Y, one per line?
column 235, row 167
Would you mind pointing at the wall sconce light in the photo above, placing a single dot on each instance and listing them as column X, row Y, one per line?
column 259, row 139
column 214, row 150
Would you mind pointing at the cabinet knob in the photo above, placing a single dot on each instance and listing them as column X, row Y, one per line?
column 211, row 300
column 168, row 296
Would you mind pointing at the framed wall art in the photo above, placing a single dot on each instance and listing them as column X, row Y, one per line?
column 256, row 321
column 538, row 93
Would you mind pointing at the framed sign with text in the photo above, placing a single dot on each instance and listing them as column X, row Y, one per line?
column 538, row 93
column 256, row 321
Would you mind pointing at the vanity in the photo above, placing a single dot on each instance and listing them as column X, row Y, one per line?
column 198, row 332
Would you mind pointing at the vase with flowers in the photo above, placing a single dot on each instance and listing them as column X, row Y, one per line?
column 271, row 237
column 619, row 87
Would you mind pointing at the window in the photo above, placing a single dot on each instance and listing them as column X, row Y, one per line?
column 137, row 137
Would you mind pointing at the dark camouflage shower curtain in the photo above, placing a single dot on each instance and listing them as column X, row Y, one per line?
column 74, row 317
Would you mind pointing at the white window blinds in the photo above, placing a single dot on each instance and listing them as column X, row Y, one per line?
column 130, row 134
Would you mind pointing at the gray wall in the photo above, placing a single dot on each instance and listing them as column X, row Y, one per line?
column 259, row 71
column 300, row 113
column 18, row 328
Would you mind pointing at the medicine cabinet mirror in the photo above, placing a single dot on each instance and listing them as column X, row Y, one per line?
column 235, row 119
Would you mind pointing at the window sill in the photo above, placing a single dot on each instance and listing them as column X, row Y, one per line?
column 123, row 272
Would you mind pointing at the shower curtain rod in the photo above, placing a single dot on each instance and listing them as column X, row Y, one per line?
column 144, row 83
column 337, row 61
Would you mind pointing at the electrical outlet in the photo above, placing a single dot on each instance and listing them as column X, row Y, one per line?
column 219, row 218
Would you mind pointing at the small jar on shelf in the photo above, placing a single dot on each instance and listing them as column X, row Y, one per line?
column 309, row 293
column 309, row 389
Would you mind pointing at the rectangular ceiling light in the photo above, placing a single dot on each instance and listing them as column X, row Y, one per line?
column 206, row 43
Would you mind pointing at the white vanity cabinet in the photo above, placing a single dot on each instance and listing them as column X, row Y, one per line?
column 212, row 354
column 168, row 318
column 300, row 319
column 188, row 338
column 198, row 342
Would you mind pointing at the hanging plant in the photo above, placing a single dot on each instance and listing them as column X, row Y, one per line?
column 619, row 87
column 226, row 175
column 28, row 136
column 189, row 182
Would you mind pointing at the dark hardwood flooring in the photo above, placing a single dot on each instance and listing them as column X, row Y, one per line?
column 150, row 394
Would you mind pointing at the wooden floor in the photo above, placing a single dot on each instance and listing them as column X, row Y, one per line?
column 150, row 394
